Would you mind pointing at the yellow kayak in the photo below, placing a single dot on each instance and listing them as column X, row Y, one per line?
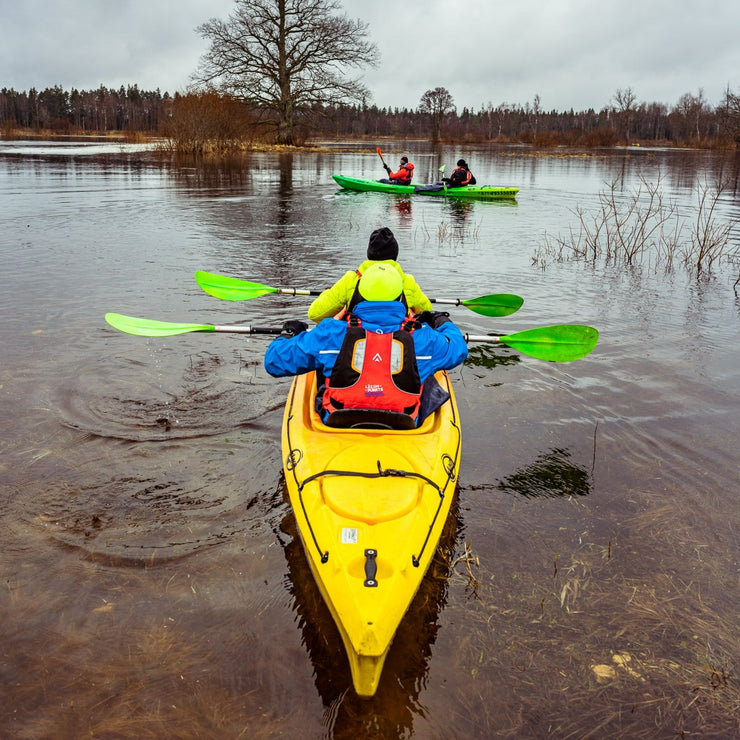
column 370, row 504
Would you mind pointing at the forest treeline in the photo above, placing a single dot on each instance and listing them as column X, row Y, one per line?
column 100, row 111
column 190, row 119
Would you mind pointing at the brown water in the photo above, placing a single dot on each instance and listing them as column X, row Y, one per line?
column 152, row 581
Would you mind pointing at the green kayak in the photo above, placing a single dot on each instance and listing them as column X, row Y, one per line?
column 478, row 192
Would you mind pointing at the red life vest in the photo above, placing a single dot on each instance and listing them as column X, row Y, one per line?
column 375, row 371
column 404, row 174
column 461, row 176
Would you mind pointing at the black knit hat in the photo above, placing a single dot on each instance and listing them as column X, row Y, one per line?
column 382, row 245
column 461, row 163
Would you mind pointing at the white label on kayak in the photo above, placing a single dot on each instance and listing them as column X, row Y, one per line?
column 349, row 536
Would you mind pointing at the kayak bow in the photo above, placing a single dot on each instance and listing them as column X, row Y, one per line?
column 370, row 505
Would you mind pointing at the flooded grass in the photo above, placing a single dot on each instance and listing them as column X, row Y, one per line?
column 611, row 639
column 646, row 226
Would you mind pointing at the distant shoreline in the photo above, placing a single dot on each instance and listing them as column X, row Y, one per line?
column 346, row 144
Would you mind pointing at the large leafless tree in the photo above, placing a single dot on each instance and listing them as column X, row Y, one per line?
column 285, row 56
column 624, row 109
column 436, row 104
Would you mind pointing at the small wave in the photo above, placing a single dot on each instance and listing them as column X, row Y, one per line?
column 200, row 403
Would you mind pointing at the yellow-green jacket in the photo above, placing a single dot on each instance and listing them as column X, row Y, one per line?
column 334, row 299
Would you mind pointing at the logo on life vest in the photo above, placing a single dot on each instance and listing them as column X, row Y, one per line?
column 377, row 357
column 374, row 389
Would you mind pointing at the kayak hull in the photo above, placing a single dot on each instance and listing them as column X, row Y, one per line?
column 364, row 185
column 475, row 192
column 370, row 506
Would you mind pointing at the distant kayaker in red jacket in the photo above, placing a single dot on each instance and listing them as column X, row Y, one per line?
column 403, row 176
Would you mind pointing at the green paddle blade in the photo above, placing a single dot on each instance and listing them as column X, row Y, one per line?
column 562, row 343
column 152, row 328
column 231, row 289
column 498, row 304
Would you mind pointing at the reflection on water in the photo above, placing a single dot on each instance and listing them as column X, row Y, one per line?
column 551, row 474
column 70, row 148
column 153, row 580
column 482, row 355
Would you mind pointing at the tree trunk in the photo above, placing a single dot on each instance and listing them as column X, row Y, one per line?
column 285, row 111
column 286, row 125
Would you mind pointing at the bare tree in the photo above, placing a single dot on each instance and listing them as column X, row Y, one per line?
column 625, row 109
column 436, row 104
column 625, row 99
column 285, row 56
column 729, row 116
column 693, row 108
column 535, row 113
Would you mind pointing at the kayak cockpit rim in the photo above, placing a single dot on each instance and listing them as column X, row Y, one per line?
column 449, row 464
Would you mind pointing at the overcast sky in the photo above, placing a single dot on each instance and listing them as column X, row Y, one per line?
column 572, row 53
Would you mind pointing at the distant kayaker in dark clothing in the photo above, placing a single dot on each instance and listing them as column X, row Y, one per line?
column 403, row 176
column 460, row 177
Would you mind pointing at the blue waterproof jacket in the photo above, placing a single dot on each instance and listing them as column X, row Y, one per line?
column 317, row 349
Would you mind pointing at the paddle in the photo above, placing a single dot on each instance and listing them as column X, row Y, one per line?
column 152, row 328
column 496, row 304
column 380, row 154
column 563, row 343
column 234, row 289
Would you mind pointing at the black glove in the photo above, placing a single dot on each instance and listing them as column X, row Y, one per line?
column 446, row 179
column 294, row 327
column 435, row 319
column 387, row 168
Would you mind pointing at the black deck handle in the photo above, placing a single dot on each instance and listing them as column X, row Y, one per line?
column 371, row 568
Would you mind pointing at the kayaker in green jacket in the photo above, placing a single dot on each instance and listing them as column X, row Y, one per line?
column 382, row 247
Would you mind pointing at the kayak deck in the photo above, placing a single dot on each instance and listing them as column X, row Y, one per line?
column 476, row 192
column 370, row 505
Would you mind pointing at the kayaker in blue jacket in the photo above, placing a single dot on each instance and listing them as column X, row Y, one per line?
column 377, row 358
